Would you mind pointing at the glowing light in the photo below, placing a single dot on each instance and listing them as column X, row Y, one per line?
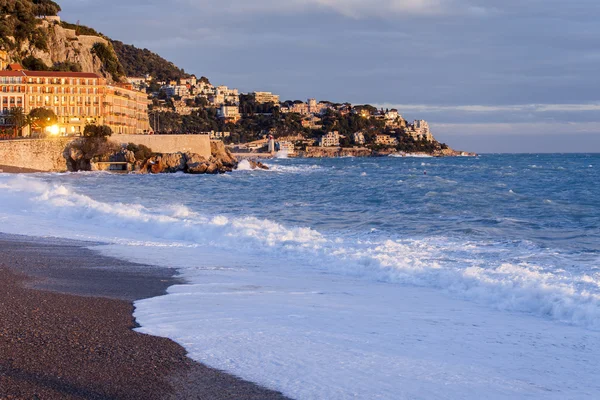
column 53, row 130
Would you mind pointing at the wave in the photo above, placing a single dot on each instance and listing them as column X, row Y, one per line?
column 476, row 271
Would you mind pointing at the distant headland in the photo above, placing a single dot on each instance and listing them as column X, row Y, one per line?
column 59, row 79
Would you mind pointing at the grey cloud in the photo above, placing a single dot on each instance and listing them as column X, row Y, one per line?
column 447, row 53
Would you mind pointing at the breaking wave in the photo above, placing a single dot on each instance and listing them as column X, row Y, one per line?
column 474, row 271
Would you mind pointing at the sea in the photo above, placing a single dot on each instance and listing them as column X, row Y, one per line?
column 358, row 278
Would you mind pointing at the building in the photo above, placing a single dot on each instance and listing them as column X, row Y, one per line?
column 421, row 131
column 229, row 113
column 312, row 122
column 285, row 147
column 386, row 140
column 297, row 108
column 332, row 139
column 77, row 99
column 219, row 135
column 266, row 97
column 359, row 138
column 124, row 109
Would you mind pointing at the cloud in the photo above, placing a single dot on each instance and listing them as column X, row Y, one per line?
column 356, row 9
column 530, row 108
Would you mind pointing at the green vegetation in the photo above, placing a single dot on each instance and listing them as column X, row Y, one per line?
column 19, row 22
column 18, row 119
column 41, row 118
column 110, row 62
column 97, row 131
column 32, row 63
column 139, row 62
column 82, row 30
column 140, row 151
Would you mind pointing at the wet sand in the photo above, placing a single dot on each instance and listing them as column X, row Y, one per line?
column 66, row 330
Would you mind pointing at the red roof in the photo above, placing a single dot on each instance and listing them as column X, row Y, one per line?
column 15, row 67
column 50, row 74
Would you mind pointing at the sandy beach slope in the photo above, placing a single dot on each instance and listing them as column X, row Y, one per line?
column 66, row 330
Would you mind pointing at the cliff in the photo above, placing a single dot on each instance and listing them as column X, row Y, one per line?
column 65, row 49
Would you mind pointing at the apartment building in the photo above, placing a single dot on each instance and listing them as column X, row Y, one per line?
column 229, row 113
column 266, row 97
column 125, row 110
column 77, row 98
column 386, row 140
column 332, row 139
column 359, row 138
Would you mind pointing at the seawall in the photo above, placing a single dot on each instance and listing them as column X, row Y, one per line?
column 47, row 154
column 199, row 144
column 39, row 154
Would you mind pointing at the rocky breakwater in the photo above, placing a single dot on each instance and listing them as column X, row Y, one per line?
column 220, row 161
column 99, row 154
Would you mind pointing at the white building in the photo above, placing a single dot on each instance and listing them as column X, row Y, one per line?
column 229, row 113
column 285, row 147
column 266, row 97
column 422, row 131
column 359, row 138
column 332, row 139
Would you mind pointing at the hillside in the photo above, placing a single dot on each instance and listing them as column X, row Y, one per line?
column 19, row 22
column 141, row 62
column 33, row 35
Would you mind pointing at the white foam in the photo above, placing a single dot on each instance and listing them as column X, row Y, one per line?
column 324, row 316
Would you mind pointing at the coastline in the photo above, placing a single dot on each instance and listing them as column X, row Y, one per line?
column 66, row 330
column 17, row 170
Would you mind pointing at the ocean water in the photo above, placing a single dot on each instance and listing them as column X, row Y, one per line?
column 359, row 278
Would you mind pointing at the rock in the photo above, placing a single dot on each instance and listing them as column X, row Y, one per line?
column 222, row 153
column 196, row 164
column 173, row 162
column 221, row 161
column 65, row 45
column 257, row 165
column 75, row 154
column 129, row 157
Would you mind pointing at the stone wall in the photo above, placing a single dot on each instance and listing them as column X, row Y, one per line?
column 199, row 144
column 39, row 154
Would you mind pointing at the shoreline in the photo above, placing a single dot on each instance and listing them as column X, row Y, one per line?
column 66, row 330
column 17, row 170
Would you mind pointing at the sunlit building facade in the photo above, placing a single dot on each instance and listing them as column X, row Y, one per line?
column 77, row 99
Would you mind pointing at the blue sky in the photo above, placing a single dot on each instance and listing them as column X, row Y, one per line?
column 505, row 76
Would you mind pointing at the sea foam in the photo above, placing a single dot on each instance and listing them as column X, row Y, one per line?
column 31, row 206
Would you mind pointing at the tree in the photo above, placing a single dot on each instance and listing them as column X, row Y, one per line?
column 41, row 118
column 18, row 119
column 97, row 131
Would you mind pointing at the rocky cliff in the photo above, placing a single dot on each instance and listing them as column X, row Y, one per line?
column 64, row 46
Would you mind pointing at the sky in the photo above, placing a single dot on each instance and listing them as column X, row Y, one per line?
column 489, row 76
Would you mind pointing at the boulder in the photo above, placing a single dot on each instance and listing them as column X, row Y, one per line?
column 222, row 153
column 196, row 164
column 257, row 165
column 173, row 162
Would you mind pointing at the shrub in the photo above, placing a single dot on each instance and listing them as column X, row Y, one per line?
column 109, row 60
column 97, row 131
column 140, row 151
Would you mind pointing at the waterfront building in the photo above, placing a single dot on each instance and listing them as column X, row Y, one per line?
column 124, row 109
column 77, row 99
column 285, row 147
column 266, row 97
column 332, row 139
